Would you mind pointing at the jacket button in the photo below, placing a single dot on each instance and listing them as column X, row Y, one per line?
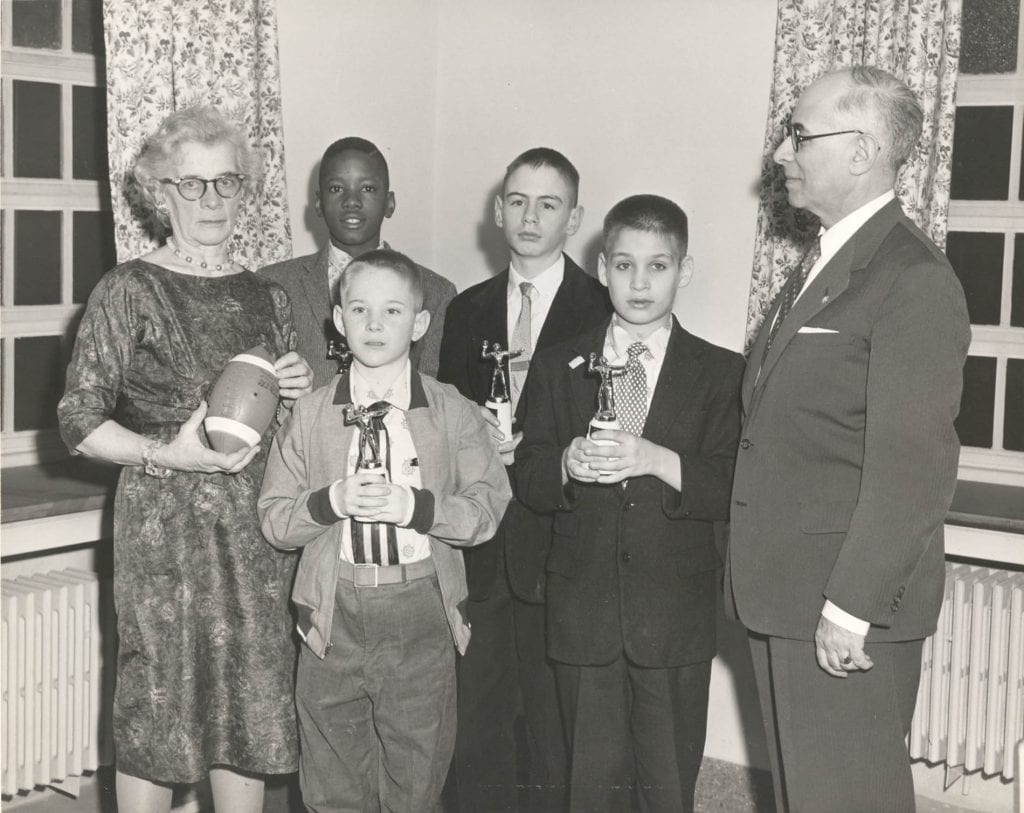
column 628, row 506
column 627, row 556
column 745, row 444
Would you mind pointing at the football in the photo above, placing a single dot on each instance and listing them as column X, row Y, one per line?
column 242, row 402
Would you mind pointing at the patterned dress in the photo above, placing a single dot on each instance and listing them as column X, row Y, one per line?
column 206, row 657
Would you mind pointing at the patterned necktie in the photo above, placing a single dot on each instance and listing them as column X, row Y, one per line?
column 367, row 536
column 335, row 265
column 631, row 398
column 521, row 340
column 791, row 291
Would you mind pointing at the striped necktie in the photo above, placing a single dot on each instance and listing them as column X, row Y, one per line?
column 522, row 340
column 368, row 536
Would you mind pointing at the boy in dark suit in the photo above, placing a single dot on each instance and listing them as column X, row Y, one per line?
column 542, row 298
column 354, row 197
column 632, row 572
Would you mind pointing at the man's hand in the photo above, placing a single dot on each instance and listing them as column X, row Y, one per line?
column 294, row 378
column 629, row 457
column 506, row 446
column 838, row 650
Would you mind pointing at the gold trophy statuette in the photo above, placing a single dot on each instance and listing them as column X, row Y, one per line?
column 604, row 417
column 370, row 421
column 500, row 401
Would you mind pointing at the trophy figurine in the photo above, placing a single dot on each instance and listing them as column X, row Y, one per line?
column 371, row 424
column 337, row 350
column 500, row 400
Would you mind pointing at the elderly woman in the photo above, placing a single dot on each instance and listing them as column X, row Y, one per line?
column 205, row 665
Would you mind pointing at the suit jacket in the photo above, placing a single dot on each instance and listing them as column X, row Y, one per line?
column 479, row 313
column 848, row 457
column 633, row 569
column 305, row 280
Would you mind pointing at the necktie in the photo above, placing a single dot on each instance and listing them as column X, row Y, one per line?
column 367, row 536
column 792, row 290
column 521, row 340
column 335, row 265
column 631, row 399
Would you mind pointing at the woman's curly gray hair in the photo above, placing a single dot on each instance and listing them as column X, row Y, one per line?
column 202, row 124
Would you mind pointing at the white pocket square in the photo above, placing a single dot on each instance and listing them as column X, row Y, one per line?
column 809, row 329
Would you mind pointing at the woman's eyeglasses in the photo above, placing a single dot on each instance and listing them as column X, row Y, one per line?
column 227, row 186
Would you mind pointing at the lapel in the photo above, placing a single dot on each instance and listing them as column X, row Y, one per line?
column 675, row 386
column 563, row 319
column 314, row 283
column 831, row 282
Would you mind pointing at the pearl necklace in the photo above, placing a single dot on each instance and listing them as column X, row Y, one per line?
column 202, row 263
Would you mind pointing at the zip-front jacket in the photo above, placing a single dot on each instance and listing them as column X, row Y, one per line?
column 465, row 491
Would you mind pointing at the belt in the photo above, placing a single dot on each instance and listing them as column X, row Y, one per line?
column 370, row 575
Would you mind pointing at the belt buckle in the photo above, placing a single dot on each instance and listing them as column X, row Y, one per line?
column 363, row 567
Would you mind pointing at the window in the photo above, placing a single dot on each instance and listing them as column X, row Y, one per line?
column 986, row 238
column 56, row 224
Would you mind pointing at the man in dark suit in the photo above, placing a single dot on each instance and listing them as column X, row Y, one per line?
column 353, row 198
column 633, row 570
column 507, row 698
column 848, row 458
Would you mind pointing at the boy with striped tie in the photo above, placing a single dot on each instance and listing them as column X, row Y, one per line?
column 381, row 477
column 631, row 577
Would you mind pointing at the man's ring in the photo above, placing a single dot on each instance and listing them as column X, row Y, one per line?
column 847, row 660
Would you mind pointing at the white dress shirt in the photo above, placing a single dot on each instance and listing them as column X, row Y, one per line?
column 617, row 341
column 546, row 285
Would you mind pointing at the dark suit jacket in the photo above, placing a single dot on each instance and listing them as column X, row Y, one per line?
column 848, row 457
column 305, row 280
column 479, row 313
column 634, row 569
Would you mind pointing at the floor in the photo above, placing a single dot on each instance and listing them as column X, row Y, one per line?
column 722, row 788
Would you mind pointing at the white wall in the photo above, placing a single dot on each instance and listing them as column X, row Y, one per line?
column 662, row 96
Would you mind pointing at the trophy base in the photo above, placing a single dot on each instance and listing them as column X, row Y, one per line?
column 503, row 411
column 596, row 425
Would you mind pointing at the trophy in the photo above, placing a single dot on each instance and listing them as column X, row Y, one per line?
column 371, row 425
column 605, row 417
column 500, row 400
column 337, row 350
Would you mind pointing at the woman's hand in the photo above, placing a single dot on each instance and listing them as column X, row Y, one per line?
column 187, row 452
column 294, row 377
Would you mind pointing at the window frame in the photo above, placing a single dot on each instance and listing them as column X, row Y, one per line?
column 67, row 195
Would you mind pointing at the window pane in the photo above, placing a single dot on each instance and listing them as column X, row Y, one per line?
column 978, row 262
column 36, row 129
column 37, row 239
column 38, row 381
column 87, row 27
column 989, row 36
column 89, row 125
column 94, row 252
column 1013, row 424
column 1017, row 296
column 35, row 23
column 981, row 153
column 977, row 405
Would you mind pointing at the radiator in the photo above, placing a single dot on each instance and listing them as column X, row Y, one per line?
column 970, row 702
column 53, row 694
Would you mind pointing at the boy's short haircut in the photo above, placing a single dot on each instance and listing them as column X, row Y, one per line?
column 538, row 157
column 647, row 213
column 392, row 260
column 354, row 144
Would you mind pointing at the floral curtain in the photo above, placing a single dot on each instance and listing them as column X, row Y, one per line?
column 163, row 55
column 916, row 40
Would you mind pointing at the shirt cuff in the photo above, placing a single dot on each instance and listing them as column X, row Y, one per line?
column 334, row 500
column 843, row 619
column 407, row 519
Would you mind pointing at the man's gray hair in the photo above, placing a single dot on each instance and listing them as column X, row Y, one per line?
column 889, row 102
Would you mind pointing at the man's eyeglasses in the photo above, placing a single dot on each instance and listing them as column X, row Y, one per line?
column 227, row 186
column 796, row 138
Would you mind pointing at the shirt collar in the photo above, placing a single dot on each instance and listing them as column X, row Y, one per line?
column 619, row 340
column 834, row 237
column 546, row 282
column 339, row 257
column 398, row 396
